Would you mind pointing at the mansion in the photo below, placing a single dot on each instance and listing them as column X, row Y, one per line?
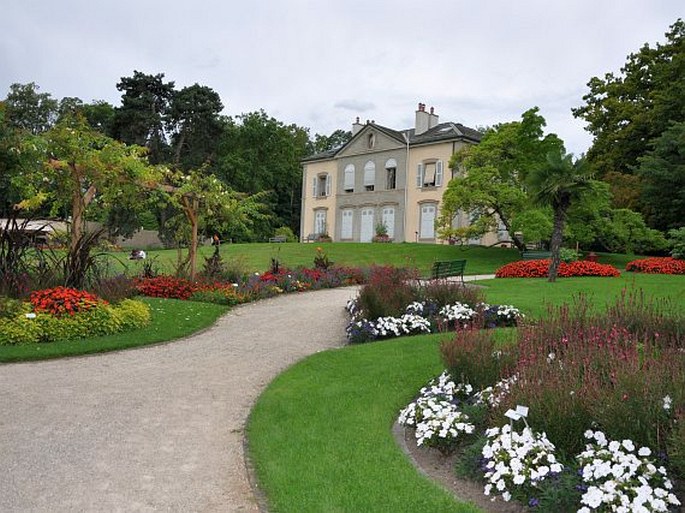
column 386, row 176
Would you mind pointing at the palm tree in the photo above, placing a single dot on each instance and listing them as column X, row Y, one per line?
column 559, row 183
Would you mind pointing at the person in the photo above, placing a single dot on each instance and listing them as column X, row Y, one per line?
column 215, row 240
column 137, row 254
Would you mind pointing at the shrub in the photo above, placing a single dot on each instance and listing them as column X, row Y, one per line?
column 568, row 255
column 471, row 356
column 11, row 308
column 386, row 294
column 220, row 295
column 675, row 444
column 443, row 292
column 62, row 300
column 285, row 231
column 166, row 287
column 321, row 260
column 657, row 265
column 539, row 269
column 19, row 331
column 132, row 314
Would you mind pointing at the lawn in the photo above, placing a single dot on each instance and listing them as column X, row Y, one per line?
column 320, row 435
column 531, row 295
column 257, row 257
column 171, row 319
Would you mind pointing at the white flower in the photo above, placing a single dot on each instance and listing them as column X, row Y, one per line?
column 30, row 315
column 667, row 403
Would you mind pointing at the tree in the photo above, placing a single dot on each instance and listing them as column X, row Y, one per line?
column 625, row 112
column 323, row 143
column 196, row 125
column 29, row 110
column 559, row 183
column 85, row 173
column 662, row 171
column 202, row 201
column 490, row 185
column 144, row 107
column 261, row 153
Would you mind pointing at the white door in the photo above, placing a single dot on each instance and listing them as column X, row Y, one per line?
column 346, row 227
column 427, row 222
column 366, row 233
column 320, row 222
column 389, row 221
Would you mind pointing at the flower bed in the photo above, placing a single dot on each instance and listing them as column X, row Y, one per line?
column 539, row 269
column 657, row 265
column 427, row 317
column 56, row 315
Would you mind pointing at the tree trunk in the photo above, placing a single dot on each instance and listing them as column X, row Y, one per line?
column 191, row 206
column 518, row 242
column 555, row 242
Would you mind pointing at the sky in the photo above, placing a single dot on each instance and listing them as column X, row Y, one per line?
column 320, row 64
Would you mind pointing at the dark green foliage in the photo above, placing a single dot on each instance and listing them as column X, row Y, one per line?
column 677, row 242
column 29, row 110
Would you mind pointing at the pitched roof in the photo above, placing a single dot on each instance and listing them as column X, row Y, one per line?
column 440, row 132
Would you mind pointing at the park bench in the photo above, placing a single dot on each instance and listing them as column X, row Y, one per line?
column 535, row 255
column 278, row 238
column 448, row 268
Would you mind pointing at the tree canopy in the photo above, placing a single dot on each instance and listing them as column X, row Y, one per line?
column 627, row 111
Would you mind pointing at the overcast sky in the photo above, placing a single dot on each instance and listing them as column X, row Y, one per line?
column 320, row 64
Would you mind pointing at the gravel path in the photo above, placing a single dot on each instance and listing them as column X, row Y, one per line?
column 158, row 428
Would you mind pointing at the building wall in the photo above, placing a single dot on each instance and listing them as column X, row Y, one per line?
column 321, row 203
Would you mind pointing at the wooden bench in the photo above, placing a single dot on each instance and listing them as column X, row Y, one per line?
column 448, row 268
column 536, row 255
column 278, row 238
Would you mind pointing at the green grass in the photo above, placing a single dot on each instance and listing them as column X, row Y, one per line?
column 171, row 319
column 257, row 257
column 531, row 295
column 320, row 436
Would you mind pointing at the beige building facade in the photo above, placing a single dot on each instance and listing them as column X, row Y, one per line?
column 384, row 176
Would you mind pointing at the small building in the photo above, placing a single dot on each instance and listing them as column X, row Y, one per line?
column 382, row 175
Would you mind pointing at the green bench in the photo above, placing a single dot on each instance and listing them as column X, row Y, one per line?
column 536, row 255
column 448, row 268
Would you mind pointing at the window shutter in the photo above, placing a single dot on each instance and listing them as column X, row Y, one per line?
column 328, row 185
column 349, row 178
column 438, row 173
column 314, row 187
column 369, row 174
column 419, row 176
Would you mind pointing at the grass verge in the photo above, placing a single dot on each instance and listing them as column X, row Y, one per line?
column 171, row 319
column 320, row 435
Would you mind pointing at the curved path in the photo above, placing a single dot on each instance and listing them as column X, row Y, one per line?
column 157, row 428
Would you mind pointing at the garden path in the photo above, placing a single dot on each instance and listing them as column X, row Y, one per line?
column 158, row 428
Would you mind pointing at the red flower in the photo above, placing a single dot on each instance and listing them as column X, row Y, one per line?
column 657, row 265
column 166, row 287
column 60, row 300
column 539, row 269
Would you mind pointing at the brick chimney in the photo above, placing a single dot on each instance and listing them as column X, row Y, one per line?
column 356, row 126
column 422, row 119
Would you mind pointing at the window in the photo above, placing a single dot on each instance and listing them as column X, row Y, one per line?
column 321, row 185
column 348, row 184
column 427, row 227
column 369, row 176
column 347, row 222
column 430, row 174
column 391, row 174
column 388, row 220
column 367, row 226
column 320, row 222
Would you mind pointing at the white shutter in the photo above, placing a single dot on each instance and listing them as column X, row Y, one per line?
column 349, row 178
column 389, row 221
column 346, row 229
column 328, row 185
column 419, row 175
column 438, row 173
column 314, row 187
column 369, row 174
column 366, row 232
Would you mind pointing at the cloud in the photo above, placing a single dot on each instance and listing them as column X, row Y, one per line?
column 355, row 105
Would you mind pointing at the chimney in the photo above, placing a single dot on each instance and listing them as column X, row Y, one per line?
column 422, row 119
column 356, row 126
column 433, row 119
